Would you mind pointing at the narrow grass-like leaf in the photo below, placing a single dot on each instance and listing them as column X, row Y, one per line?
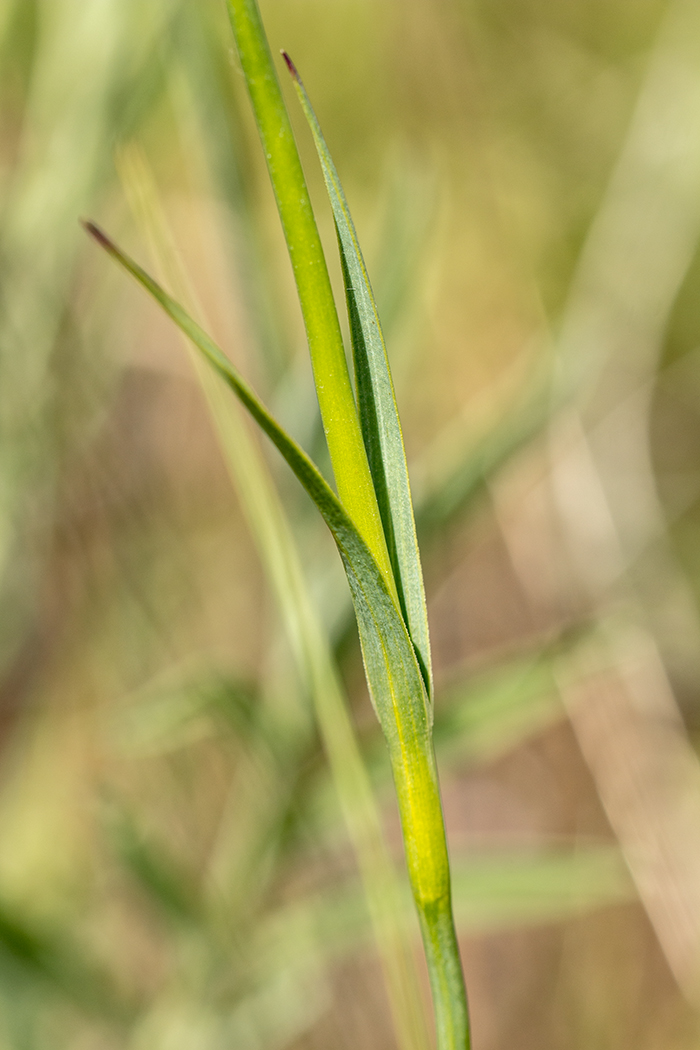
column 395, row 681
column 454, row 475
column 333, row 387
column 399, row 685
column 381, row 428
column 280, row 557
column 382, row 624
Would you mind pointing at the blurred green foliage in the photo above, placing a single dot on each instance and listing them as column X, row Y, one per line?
column 174, row 870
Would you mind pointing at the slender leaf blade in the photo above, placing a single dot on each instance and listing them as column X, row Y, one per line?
column 397, row 694
column 331, row 376
column 281, row 559
column 396, row 685
column 381, row 428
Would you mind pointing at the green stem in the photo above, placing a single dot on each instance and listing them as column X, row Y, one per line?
column 446, row 977
column 331, row 375
column 408, row 728
column 425, row 843
column 395, row 682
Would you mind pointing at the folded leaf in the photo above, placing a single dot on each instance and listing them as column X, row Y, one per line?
column 399, row 697
column 379, row 415
column 395, row 680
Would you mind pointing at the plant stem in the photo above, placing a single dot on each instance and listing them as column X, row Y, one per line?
column 425, row 843
column 446, row 977
column 332, row 378
column 396, row 686
column 392, row 669
column 280, row 557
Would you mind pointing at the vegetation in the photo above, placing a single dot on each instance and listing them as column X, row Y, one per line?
column 200, row 846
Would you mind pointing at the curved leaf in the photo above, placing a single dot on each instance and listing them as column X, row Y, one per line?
column 381, row 428
column 332, row 380
column 398, row 697
column 396, row 685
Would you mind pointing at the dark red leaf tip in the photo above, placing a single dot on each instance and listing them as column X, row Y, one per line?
column 290, row 65
column 97, row 233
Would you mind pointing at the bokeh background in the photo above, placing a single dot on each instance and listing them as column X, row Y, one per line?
column 525, row 179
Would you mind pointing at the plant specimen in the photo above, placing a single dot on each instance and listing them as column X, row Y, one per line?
column 371, row 518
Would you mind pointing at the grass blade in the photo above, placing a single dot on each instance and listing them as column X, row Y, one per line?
column 279, row 554
column 400, row 700
column 335, row 396
column 395, row 681
column 382, row 617
column 379, row 417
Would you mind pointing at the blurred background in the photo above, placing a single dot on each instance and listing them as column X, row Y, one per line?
column 175, row 870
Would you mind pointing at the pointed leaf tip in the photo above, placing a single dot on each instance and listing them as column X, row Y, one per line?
column 379, row 416
column 290, row 65
column 99, row 235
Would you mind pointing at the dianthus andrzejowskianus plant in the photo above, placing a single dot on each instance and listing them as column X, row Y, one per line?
column 371, row 518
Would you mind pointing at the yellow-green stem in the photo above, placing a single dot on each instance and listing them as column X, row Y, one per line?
column 331, row 375
column 408, row 727
column 425, row 843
